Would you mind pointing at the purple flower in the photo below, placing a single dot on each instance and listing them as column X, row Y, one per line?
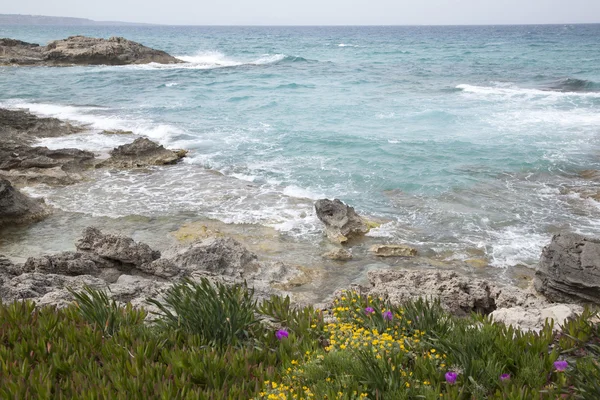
column 369, row 310
column 451, row 377
column 388, row 315
column 561, row 365
column 282, row 333
column 504, row 377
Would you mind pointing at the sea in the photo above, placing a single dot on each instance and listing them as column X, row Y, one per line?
column 462, row 141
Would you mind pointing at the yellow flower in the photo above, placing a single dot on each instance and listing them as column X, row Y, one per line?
column 407, row 384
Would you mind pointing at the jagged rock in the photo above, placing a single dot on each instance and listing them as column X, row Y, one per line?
column 393, row 250
column 533, row 319
column 19, row 127
column 116, row 248
column 41, row 287
column 569, row 269
column 66, row 263
column 219, row 255
column 34, row 165
column 141, row 153
column 338, row 255
column 341, row 221
column 81, row 50
column 459, row 294
column 133, row 271
column 162, row 267
column 17, row 208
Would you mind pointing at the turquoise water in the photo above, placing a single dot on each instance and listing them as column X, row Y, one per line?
column 456, row 137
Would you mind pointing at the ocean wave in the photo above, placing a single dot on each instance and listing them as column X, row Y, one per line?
column 347, row 45
column 573, row 85
column 215, row 59
column 96, row 121
column 516, row 91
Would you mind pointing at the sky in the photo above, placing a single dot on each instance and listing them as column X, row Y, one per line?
column 317, row 12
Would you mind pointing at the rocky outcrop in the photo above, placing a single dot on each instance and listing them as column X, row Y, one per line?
column 341, row 222
column 81, row 50
column 569, row 269
column 142, row 153
column 393, row 250
column 26, row 165
column 133, row 272
column 459, row 294
column 533, row 319
column 17, row 208
column 19, row 127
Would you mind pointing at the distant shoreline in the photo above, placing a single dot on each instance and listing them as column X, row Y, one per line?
column 43, row 20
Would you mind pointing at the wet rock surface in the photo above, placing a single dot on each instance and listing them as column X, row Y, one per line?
column 81, row 50
column 141, row 153
column 17, row 208
column 393, row 250
column 569, row 269
column 341, row 222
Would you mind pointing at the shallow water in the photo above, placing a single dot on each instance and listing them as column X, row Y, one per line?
column 459, row 138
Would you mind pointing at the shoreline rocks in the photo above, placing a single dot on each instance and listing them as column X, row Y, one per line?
column 81, row 50
column 132, row 271
column 17, row 208
column 569, row 269
column 341, row 222
column 141, row 153
column 393, row 250
column 24, row 164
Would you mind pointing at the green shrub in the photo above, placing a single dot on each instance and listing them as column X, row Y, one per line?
column 221, row 315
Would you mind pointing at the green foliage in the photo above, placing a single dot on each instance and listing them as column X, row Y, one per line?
column 96, row 349
column 221, row 315
column 96, row 308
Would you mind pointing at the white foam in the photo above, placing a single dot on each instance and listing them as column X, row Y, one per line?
column 171, row 84
column 301, row 193
column 208, row 60
column 347, row 45
column 95, row 122
column 523, row 92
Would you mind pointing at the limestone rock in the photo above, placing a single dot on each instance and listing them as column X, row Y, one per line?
column 67, row 263
column 341, row 222
column 457, row 293
column 338, row 255
column 141, row 153
column 218, row 255
column 17, row 208
column 533, row 319
column 569, row 269
column 116, row 248
column 393, row 250
column 81, row 50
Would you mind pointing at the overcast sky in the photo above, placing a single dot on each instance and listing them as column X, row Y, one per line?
column 316, row 12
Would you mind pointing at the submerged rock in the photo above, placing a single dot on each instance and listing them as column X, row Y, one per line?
column 142, row 153
column 569, row 269
column 338, row 255
column 81, row 50
column 393, row 250
column 341, row 222
column 17, row 208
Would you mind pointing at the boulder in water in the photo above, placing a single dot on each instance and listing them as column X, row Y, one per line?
column 341, row 222
column 17, row 208
column 393, row 250
column 142, row 153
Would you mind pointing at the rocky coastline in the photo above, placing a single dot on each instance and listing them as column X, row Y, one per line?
column 81, row 50
column 568, row 275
